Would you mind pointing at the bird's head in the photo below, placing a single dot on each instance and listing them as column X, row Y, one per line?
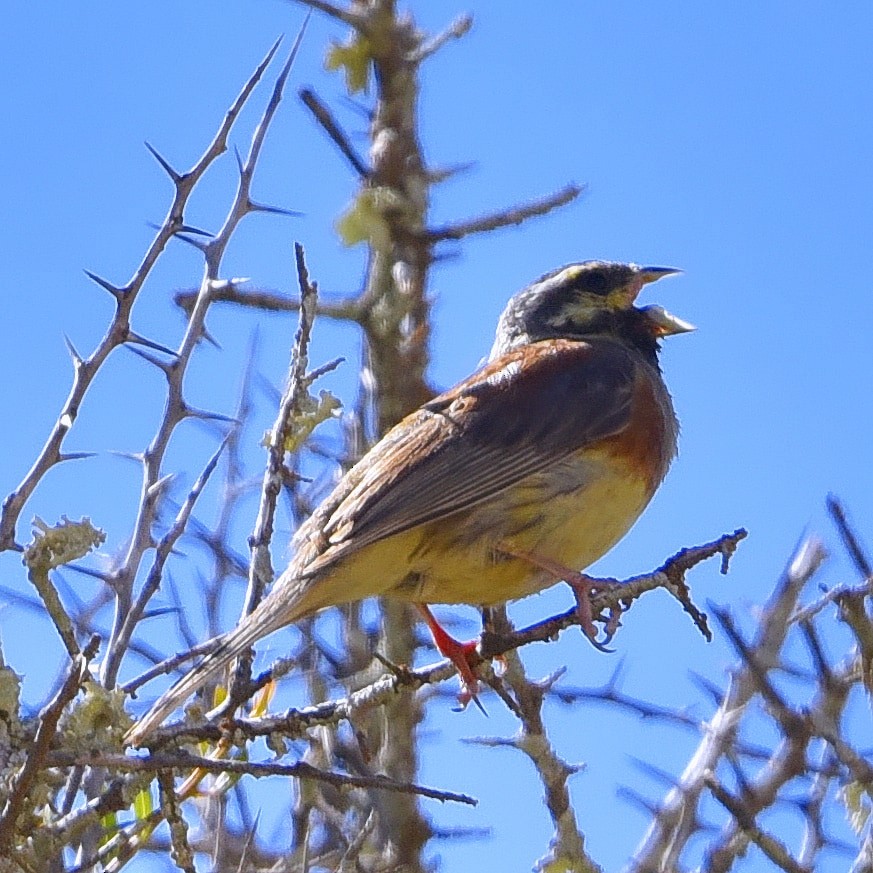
column 580, row 301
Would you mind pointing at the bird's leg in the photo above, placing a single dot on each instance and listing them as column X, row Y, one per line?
column 464, row 656
column 583, row 587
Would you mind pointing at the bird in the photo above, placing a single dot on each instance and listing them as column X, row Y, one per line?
column 522, row 475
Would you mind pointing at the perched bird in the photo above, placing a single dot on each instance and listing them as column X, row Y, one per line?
column 520, row 476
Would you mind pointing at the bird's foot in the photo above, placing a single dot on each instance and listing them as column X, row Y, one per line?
column 583, row 587
column 465, row 657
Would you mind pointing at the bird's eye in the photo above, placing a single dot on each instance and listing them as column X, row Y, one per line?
column 589, row 282
column 594, row 283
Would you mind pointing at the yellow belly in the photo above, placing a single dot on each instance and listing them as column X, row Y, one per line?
column 571, row 516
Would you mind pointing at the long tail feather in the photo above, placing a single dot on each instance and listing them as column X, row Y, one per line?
column 231, row 645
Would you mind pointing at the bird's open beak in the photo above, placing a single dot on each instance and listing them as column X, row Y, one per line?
column 665, row 323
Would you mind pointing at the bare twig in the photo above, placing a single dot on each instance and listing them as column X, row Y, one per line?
column 325, row 118
column 168, row 665
column 850, row 538
column 459, row 28
column 176, row 408
column 296, row 722
column 769, row 845
column 567, row 846
column 162, row 552
column 347, row 16
column 505, row 217
column 612, row 594
column 180, row 849
column 300, row 770
column 271, row 301
column 261, row 567
column 39, row 749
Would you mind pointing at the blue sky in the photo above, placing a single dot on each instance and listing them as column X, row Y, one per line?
column 731, row 141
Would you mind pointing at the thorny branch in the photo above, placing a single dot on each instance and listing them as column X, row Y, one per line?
column 295, row 723
column 505, row 217
column 120, row 331
column 289, row 431
column 265, row 300
column 300, row 770
column 280, row 436
column 130, row 607
column 373, row 728
column 525, row 699
column 45, row 734
column 807, row 733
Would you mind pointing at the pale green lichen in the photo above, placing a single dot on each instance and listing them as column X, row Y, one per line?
column 364, row 220
column 354, row 59
column 312, row 412
column 856, row 800
column 98, row 721
column 51, row 547
column 10, row 693
column 65, row 542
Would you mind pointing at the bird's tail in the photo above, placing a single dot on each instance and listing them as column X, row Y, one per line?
column 230, row 645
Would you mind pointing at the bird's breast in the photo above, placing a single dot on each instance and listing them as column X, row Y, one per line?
column 570, row 514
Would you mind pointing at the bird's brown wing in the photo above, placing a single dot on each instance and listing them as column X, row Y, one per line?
column 518, row 415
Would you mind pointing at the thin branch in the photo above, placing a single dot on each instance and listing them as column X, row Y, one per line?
column 39, row 749
column 459, row 28
column 347, row 16
column 176, row 408
column 608, row 694
column 835, row 595
column 505, row 217
column 261, row 568
column 324, row 117
column 272, row 301
column 614, row 595
column 676, row 820
column 300, row 770
column 162, row 553
column 290, row 408
column 168, row 665
column 243, row 204
column 180, row 849
column 850, row 538
column 296, row 722
column 567, row 846
column 769, row 845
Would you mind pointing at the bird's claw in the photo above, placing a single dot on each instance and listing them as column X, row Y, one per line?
column 467, row 695
column 583, row 587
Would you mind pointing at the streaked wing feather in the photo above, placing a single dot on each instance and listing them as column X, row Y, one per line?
column 501, row 425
